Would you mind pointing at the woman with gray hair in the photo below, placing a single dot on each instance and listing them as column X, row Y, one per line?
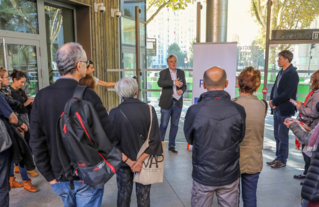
column 132, row 121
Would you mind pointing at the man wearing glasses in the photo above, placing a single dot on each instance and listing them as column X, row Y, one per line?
column 90, row 70
column 47, row 108
column 173, row 84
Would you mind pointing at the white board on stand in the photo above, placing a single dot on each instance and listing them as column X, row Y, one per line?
column 207, row 55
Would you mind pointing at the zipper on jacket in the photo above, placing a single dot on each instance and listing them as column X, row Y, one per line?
column 106, row 162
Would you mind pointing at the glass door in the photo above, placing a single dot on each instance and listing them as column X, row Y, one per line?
column 23, row 55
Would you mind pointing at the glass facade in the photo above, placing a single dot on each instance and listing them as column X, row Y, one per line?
column 24, row 58
column 19, row 16
column 32, row 38
column 60, row 30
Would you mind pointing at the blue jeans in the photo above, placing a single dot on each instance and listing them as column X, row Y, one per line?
column 304, row 203
column 23, row 172
column 5, row 164
column 175, row 112
column 81, row 195
column 249, row 188
column 281, row 137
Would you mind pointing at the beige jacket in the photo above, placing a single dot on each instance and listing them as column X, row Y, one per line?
column 251, row 158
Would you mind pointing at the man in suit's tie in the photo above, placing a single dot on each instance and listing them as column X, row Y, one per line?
column 173, row 84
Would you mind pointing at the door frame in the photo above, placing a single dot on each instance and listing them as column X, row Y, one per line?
column 41, row 38
column 36, row 43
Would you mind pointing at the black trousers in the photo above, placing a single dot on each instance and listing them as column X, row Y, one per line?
column 124, row 177
column 307, row 161
column 5, row 166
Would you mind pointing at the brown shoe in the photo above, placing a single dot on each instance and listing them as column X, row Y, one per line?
column 16, row 169
column 14, row 183
column 33, row 173
column 278, row 164
column 272, row 162
column 29, row 187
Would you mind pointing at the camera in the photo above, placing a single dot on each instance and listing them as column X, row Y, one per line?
column 99, row 7
column 115, row 13
column 118, row 14
column 102, row 9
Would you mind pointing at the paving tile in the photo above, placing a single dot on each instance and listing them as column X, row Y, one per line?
column 276, row 187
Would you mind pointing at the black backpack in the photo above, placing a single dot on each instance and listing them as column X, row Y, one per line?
column 78, row 132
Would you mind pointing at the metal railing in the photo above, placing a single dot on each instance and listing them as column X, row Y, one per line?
column 191, row 70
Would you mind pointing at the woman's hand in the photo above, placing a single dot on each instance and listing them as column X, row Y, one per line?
column 297, row 105
column 288, row 123
column 137, row 167
column 29, row 101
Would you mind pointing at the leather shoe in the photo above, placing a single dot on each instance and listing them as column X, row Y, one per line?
column 272, row 162
column 301, row 176
column 16, row 169
column 33, row 173
column 278, row 164
column 14, row 183
column 27, row 185
column 172, row 149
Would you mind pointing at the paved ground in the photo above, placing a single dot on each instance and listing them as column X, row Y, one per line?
column 276, row 187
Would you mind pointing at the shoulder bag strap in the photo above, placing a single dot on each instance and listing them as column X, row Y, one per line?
column 129, row 122
column 67, row 169
column 266, row 106
column 151, row 123
column 79, row 91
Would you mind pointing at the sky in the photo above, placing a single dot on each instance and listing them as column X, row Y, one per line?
column 241, row 22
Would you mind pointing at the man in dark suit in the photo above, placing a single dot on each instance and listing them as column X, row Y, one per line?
column 173, row 84
column 284, row 89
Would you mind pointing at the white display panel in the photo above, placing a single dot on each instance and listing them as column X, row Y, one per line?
column 207, row 55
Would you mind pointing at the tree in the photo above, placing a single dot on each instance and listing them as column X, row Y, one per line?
column 257, row 55
column 160, row 4
column 285, row 15
column 191, row 52
column 174, row 49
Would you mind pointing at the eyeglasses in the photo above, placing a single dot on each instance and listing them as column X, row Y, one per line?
column 87, row 63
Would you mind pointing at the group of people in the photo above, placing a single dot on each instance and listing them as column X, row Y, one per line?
column 18, row 106
column 226, row 134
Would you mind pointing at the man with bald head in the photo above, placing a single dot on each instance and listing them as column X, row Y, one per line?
column 47, row 107
column 215, row 126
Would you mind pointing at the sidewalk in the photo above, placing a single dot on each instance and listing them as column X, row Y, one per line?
column 276, row 187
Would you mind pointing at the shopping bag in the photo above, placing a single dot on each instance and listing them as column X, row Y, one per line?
column 153, row 166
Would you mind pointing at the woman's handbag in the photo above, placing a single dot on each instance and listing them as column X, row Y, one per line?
column 153, row 166
column 5, row 140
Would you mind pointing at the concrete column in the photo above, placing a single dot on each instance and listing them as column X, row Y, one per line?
column 216, row 20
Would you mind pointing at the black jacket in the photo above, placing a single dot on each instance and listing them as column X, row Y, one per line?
column 310, row 189
column 133, row 131
column 47, row 107
column 215, row 126
column 21, row 153
column 14, row 104
column 288, row 86
column 20, row 96
column 166, row 83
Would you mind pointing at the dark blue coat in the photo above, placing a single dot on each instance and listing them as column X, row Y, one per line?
column 215, row 126
column 287, row 89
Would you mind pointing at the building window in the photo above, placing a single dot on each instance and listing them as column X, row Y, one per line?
column 22, row 16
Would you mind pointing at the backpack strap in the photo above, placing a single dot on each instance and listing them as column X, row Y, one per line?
column 67, row 171
column 266, row 106
column 79, row 91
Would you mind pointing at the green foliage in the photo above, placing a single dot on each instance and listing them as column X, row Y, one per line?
column 160, row 4
column 174, row 49
column 285, row 15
